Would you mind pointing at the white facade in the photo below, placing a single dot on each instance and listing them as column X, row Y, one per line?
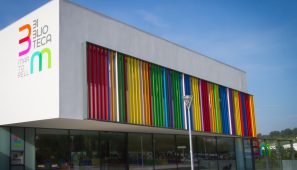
column 61, row 91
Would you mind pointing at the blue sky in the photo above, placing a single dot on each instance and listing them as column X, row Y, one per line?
column 257, row 36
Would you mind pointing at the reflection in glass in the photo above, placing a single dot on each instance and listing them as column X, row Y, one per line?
column 164, row 152
column 226, row 153
column 274, row 160
column 113, row 150
column 207, row 152
column 248, row 157
column 183, row 151
column 17, row 147
column 285, row 149
column 84, row 150
column 140, row 151
column 239, row 153
column 52, row 149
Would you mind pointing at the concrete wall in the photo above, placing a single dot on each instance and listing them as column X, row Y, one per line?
column 78, row 25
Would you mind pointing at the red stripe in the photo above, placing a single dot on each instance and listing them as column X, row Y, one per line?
column 96, row 64
column 205, row 106
column 100, row 86
column 241, row 116
column 93, row 82
column 106, row 85
column 248, row 114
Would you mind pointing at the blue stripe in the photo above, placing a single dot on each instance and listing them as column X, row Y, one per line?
column 165, row 97
column 224, row 109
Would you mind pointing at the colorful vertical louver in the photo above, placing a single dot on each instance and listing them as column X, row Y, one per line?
column 124, row 89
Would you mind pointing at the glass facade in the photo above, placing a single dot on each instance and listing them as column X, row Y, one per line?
column 113, row 150
column 140, row 151
column 164, row 151
column 248, row 155
column 30, row 148
column 208, row 157
column 183, row 151
column 226, row 153
column 52, row 151
column 84, row 150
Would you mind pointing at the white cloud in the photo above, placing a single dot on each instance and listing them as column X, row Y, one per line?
column 152, row 19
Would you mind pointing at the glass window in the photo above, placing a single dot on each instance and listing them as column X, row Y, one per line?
column 17, row 148
column 274, row 148
column 84, row 149
column 4, row 147
column 285, row 149
column 52, row 149
column 207, row 152
column 164, row 150
column 140, row 151
column 183, row 151
column 239, row 153
column 113, row 150
column 226, row 153
column 248, row 157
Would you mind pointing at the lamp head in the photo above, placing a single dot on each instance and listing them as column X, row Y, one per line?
column 188, row 100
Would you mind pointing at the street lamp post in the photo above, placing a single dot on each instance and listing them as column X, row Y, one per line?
column 188, row 101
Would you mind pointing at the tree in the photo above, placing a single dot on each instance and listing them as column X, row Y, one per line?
column 286, row 132
column 294, row 132
column 274, row 134
column 259, row 135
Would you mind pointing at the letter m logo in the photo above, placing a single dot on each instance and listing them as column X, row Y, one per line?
column 40, row 55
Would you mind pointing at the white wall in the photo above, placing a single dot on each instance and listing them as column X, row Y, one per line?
column 78, row 25
column 34, row 96
column 62, row 90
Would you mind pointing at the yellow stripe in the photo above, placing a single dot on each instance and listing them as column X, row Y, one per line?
column 219, row 110
column 139, row 92
column 212, row 120
column 237, row 113
column 133, row 91
column 198, row 105
column 194, row 104
column 136, row 91
column 254, row 130
column 129, row 90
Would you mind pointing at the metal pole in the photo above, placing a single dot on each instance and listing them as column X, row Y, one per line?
column 190, row 138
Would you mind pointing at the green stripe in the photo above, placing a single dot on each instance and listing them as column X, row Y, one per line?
column 161, row 97
column 178, row 100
